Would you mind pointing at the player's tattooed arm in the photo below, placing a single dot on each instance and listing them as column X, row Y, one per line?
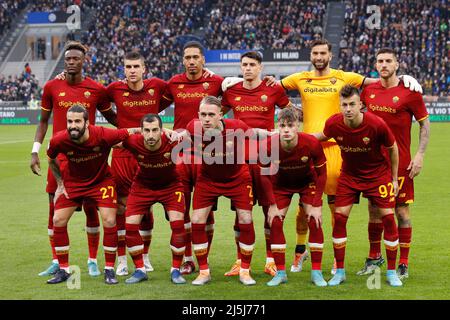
column 41, row 130
column 415, row 166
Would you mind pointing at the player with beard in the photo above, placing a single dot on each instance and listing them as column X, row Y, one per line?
column 86, row 178
column 185, row 91
column 396, row 105
column 319, row 91
column 133, row 99
column 58, row 96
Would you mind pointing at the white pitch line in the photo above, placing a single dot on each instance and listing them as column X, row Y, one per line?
column 15, row 141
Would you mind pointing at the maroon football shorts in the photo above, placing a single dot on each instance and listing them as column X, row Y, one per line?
column 123, row 170
column 141, row 198
column 103, row 195
column 380, row 191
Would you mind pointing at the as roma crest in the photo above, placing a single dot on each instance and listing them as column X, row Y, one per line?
column 87, row 94
column 264, row 98
column 366, row 140
column 333, row 81
column 304, row 158
column 205, row 85
column 167, row 155
column 395, row 99
column 151, row 92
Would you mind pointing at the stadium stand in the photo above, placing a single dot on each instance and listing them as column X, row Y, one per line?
column 19, row 88
column 419, row 31
column 8, row 11
column 265, row 24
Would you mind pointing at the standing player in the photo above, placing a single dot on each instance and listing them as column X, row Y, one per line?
column 86, row 177
column 218, row 177
column 58, row 96
column 253, row 102
column 361, row 138
column 185, row 91
column 319, row 91
column 133, row 99
column 301, row 169
column 396, row 105
column 157, row 180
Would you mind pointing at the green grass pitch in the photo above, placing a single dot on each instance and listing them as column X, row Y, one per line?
column 25, row 249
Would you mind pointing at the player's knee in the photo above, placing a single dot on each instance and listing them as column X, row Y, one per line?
column 60, row 221
column 109, row 221
column 403, row 216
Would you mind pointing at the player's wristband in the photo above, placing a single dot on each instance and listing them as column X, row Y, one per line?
column 36, row 147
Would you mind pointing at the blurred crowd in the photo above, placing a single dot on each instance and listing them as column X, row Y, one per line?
column 253, row 24
column 9, row 9
column 418, row 30
column 19, row 88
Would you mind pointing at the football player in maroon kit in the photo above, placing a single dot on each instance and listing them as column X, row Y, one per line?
column 222, row 172
column 253, row 102
column 365, row 169
column 396, row 105
column 58, row 96
column 133, row 99
column 185, row 91
column 301, row 168
column 86, row 178
column 157, row 180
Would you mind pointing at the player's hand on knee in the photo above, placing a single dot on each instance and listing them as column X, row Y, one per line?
column 35, row 164
column 273, row 213
column 411, row 83
column 316, row 213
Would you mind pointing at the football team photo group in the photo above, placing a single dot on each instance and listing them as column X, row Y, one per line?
column 153, row 168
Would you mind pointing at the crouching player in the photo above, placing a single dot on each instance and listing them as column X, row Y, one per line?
column 361, row 137
column 157, row 180
column 87, row 177
column 301, row 169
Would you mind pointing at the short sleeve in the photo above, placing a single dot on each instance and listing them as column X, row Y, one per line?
column 291, row 82
column 103, row 103
column 317, row 153
column 282, row 98
column 114, row 136
column 387, row 137
column 354, row 79
column 328, row 128
column 52, row 151
column 46, row 100
column 225, row 99
column 417, row 106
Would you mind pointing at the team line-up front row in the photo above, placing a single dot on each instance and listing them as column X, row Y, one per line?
column 370, row 166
